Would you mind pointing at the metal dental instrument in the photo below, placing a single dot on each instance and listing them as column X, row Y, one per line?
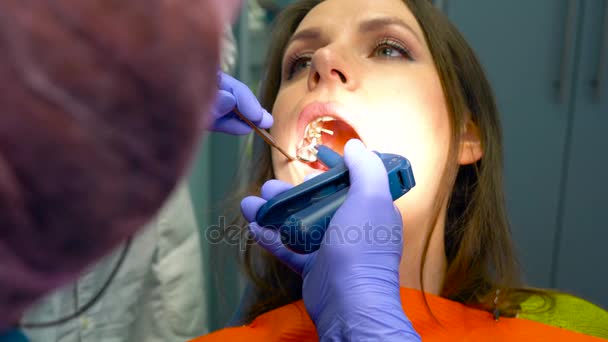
column 264, row 135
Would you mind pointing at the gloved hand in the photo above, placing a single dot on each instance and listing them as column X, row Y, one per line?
column 233, row 93
column 351, row 284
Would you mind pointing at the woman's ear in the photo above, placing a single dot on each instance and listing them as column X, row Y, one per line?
column 471, row 149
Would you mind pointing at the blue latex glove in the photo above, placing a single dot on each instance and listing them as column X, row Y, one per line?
column 350, row 286
column 233, row 93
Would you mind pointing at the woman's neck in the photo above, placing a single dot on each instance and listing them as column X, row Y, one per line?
column 435, row 261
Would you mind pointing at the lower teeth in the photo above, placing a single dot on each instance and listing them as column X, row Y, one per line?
column 308, row 153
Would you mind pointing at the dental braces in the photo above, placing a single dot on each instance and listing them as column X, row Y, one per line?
column 313, row 136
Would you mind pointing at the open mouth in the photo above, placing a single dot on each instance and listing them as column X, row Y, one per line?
column 326, row 130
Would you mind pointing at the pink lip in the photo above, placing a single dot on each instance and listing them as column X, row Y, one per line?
column 316, row 110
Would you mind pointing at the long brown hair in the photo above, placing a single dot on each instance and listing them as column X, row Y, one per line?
column 480, row 254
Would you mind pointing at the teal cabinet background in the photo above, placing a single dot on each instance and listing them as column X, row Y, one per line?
column 582, row 254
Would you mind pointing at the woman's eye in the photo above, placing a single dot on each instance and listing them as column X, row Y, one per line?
column 390, row 49
column 297, row 65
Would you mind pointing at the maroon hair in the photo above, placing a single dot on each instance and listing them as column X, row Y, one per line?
column 100, row 106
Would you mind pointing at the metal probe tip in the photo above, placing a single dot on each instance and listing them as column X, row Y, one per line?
column 264, row 135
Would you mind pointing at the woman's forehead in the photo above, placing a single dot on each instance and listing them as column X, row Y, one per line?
column 351, row 13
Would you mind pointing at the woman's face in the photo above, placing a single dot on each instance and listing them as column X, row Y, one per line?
column 367, row 64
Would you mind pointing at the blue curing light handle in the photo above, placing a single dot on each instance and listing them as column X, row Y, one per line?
column 302, row 213
column 328, row 156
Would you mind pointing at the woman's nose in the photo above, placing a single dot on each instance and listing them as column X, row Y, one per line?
column 330, row 69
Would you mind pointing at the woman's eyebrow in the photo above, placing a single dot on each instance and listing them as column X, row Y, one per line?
column 305, row 34
column 377, row 24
